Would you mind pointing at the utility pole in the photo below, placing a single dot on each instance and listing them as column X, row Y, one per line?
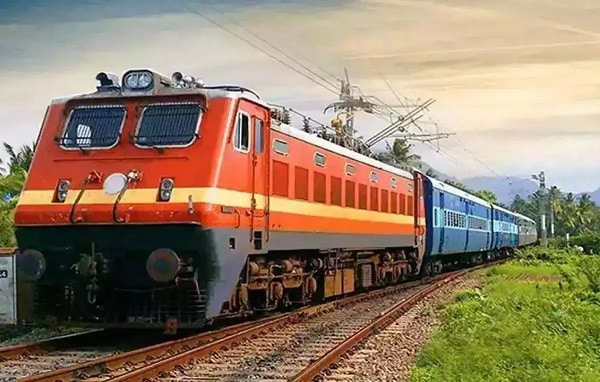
column 541, row 177
column 349, row 104
column 551, row 203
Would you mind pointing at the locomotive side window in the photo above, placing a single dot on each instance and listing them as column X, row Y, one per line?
column 241, row 139
column 320, row 159
column 349, row 169
column 258, row 133
column 281, row 147
column 167, row 125
column 93, row 127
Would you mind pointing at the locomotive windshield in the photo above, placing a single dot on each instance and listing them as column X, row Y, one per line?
column 168, row 125
column 93, row 127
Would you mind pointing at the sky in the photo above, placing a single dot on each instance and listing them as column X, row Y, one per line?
column 517, row 82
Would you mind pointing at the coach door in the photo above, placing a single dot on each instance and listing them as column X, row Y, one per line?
column 418, row 202
column 260, row 179
column 442, row 223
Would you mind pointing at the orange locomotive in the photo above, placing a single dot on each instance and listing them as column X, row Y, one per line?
column 161, row 200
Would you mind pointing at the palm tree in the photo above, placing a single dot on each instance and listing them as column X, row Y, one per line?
column 401, row 152
column 15, row 171
column 18, row 160
column 487, row 195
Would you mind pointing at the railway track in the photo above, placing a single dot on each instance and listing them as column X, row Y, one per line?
column 276, row 348
column 327, row 366
column 37, row 357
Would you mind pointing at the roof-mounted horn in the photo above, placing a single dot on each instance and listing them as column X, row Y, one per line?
column 182, row 81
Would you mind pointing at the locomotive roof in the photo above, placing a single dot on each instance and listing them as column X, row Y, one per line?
column 207, row 93
column 456, row 191
column 283, row 128
column 324, row 144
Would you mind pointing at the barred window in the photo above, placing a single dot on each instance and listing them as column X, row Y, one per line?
column 93, row 127
column 168, row 124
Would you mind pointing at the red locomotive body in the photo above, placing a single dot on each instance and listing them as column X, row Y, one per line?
column 176, row 201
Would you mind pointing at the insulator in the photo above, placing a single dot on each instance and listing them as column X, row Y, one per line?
column 286, row 117
column 306, row 124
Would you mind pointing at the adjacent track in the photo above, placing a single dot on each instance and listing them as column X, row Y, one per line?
column 57, row 352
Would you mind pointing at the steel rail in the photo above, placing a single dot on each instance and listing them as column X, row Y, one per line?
column 106, row 365
column 316, row 369
column 254, row 329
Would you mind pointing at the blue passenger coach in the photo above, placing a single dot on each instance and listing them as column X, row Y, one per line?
column 505, row 230
column 459, row 226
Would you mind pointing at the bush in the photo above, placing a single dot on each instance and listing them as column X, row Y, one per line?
column 536, row 255
column 522, row 328
column 589, row 242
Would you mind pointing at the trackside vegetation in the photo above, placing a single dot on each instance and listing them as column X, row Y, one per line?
column 537, row 318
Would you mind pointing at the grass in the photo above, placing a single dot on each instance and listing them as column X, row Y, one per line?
column 518, row 328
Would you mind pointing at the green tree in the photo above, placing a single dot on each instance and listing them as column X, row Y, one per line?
column 402, row 152
column 571, row 215
column 12, row 178
column 487, row 195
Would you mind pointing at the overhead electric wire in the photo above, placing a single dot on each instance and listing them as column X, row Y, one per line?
column 328, row 84
column 273, row 46
column 219, row 25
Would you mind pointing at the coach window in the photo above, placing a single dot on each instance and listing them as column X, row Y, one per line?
column 258, row 133
column 97, row 127
column 242, row 133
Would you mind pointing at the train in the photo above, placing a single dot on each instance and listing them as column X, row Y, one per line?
column 159, row 201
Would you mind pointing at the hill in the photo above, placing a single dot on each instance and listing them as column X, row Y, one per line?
column 505, row 188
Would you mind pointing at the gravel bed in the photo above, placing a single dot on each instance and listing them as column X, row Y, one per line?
column 16, row 335
column 390, row 354
column 36, row 364
column 279, row 355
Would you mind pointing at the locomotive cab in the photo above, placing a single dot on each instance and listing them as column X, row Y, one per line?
column 111, row 222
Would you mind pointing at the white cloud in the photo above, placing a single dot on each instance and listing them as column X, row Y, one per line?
column 518, row 101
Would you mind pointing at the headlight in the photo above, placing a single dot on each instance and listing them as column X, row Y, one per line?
column 62, row 190
column 114, row 183
column 166, row 189
column 138, row 80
